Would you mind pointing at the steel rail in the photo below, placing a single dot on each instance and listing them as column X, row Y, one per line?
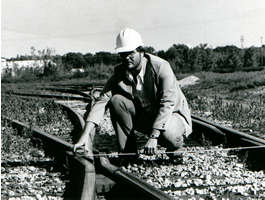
column 228, row 131
column 255, row 157
column 52, row 96
column 76, row 119
column 84, row 85
column 66, row 90
column 38, row 133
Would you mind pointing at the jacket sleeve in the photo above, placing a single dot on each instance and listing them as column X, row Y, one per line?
column 167, row 96
column 98, row 109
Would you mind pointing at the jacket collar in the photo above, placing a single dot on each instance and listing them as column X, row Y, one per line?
column 143, row 68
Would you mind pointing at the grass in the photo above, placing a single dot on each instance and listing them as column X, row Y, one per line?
column 237, row 99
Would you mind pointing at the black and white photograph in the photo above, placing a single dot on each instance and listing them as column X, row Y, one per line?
column 137, row 100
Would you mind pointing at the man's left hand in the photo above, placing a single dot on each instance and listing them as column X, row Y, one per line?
column 151, row 146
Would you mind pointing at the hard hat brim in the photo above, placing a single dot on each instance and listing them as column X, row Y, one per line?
column 127, row 48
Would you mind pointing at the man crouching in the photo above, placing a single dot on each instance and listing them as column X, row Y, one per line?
column 143, row 94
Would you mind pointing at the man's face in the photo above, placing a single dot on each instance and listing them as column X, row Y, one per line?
column 131, row 59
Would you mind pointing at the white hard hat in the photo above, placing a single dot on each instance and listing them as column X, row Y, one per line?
column 128, row 40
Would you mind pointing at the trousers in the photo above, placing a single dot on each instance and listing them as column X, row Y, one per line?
column 127, row 117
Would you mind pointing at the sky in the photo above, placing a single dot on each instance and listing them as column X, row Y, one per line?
column 89, row 26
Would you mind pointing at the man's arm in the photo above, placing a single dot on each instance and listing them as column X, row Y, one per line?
column 95, row 116
column 86, row 138
column 168, row 96
column 98, row 109
column 167, row 101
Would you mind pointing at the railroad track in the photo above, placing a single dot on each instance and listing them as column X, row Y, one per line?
column 84, row 162
column 115, row 177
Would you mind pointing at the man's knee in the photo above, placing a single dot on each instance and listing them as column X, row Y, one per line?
column 116, row 100
column 173, row 135
column 119, row 103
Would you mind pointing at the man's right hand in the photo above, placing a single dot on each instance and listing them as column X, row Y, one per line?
column 86, row 138
column 79, row 145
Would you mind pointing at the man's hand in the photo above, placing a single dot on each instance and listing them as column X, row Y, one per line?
column 87, row 150
column 86, row 140
column 87, row 145
column 151, row 146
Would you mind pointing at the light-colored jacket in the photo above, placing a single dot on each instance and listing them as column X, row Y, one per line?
column 160, row 85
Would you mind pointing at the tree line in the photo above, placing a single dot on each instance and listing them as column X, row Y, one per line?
column 181, row 57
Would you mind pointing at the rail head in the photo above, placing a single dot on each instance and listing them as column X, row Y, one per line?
column 228, row 131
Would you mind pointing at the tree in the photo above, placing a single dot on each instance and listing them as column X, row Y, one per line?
column 251, row 57
column 103, row 57
column 89, row 59
column 33, row 52
column 183, row 55
column 73, row 60
column 229, row 58
column 262, row 55
column 172, row 58
column 198, row 58
column 149, row 49
column 45, row 56
column 162, row 54
column 211, row 60
column 232, row 62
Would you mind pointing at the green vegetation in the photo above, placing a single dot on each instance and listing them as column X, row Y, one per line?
column 42, row 114
column 11, row 142
column 235, row 99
